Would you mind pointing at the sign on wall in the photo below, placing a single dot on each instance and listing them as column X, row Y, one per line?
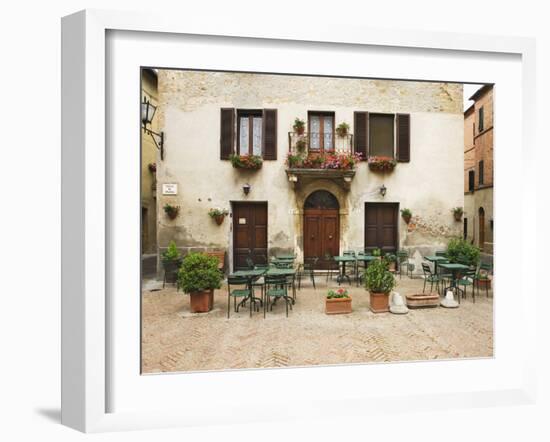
column 169, row 189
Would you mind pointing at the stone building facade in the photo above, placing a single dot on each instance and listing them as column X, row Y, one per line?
column 478, row 170
column 148, row 175
column 206, row 116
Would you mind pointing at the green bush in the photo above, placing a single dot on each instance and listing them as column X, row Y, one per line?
column 378, row 278
column 199, row 272
column 459, row 247
column 171, row 253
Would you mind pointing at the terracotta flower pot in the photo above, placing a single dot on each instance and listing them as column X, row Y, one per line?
column 219, row 219
column 483, row 284
column 458, row 216
column 202, row 302
column 379, row 302
column 299, row 130
column 335, row 306
column 407, row 218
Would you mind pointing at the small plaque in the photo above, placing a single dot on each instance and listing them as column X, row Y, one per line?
column 169, row 189
column 242, row 220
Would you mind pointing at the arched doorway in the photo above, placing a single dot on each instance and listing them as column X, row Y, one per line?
column 321, row 226
column 481, row 213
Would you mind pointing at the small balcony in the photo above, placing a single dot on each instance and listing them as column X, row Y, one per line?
column 321, row 156
column 317, row 143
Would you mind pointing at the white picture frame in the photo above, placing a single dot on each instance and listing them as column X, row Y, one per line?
column 87, row 210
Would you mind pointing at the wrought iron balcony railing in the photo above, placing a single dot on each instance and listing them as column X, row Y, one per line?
column 314, row 142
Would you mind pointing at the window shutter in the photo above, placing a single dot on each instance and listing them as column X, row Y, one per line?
column 269, row 134
column 361, row 133
column 227, row 133
column 403, row 137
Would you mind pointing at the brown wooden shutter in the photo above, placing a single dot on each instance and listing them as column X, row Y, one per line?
column 269, row 137
column 227, row 133
column 403, row 137
column 361, row 133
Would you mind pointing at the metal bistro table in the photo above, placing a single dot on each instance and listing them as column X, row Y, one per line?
column 250, row 275
column 343, row 260
column 436, row 260
column 366, row 259
column 286, row 257
column 454, row 268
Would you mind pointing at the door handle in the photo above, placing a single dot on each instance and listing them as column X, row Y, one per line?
column 330, row 237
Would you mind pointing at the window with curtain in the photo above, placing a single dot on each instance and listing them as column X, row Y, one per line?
column 249, row 128
column 381, row 135
column 321, row 130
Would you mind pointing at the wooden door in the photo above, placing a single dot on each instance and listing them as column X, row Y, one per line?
column 381, row 226
column 481, row 228
column 321, row 234
column 249, row 234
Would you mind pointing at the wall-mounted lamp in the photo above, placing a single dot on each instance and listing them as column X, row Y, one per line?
column 382, row 190
column 246, row 188
column 147, row 113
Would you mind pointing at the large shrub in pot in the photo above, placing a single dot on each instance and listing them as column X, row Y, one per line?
column 379, row 281
column 199, row 273
column 459, row 247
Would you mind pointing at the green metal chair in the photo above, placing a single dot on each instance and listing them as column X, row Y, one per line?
column 241, row 293
column 276, row 288
column 430, row 277
column 467, row 280
column 310, row 264
column 332, row 266
column 403, row 260
column 482, row 273
column 441, row 253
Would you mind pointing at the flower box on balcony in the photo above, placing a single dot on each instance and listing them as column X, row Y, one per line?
column 250, row 162
column 339, row 161
column 381, row 164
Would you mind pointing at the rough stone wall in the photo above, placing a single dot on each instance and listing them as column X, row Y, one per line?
column 189, row 113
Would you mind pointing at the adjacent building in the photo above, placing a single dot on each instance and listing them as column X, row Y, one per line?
column 478, row 170
column 230, row 144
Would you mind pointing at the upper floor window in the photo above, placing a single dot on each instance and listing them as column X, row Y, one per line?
column 471, row 180
column 381, row 135
column 321, row 130
column 481, row 173
column 480, row 119
column 249, row 132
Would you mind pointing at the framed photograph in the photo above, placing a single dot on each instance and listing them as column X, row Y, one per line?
column 285, row 219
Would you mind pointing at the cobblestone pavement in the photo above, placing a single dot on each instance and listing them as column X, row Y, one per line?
column 173, row 339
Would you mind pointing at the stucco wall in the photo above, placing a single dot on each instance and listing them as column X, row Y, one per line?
column 430, row 185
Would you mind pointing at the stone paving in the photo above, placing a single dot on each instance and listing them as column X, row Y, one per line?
column 173, row 339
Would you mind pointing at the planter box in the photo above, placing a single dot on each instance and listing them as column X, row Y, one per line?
column 379, row 302
column 202, row 302
column 336, row 306
column 483, row 284
column 422, row 300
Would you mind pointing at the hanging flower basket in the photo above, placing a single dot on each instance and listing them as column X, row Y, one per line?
column 458, row 212
column 171, row 211
column 381, row 164
column 250, row 162
column 218, row 215
column 152, row 167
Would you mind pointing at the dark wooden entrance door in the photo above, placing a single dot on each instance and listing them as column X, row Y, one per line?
column 481, row 212
column 321, row 227
column 249, row 234
column 381, row 226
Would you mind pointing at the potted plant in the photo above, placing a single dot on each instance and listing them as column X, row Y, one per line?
column 391, row 261
column 251, row 162
column 337, row 301
column 218, row 214
column 407, row 215
column 199, row 276
column 301, row 145
column 483, row 281
column 458, row 247
column 376, row 252
column 379, row 281
column 457, row 212
column 171, row 211
column 299, row 126
column 342, row 130
column 171, row 261
column 381, row 163
column 152, row 167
